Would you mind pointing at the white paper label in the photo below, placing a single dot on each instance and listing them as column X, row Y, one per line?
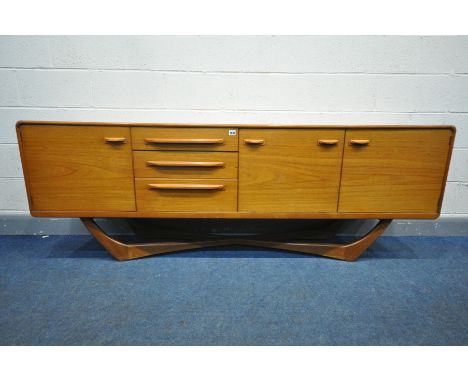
column 232, row 132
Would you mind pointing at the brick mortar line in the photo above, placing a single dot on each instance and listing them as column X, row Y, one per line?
column 169, row 71
column 339, row 112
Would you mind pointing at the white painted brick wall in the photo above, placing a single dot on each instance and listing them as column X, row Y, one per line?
column 8, row 89
column 10, row 161
column 24, row 52
column 128, row 89
column 234, row 79
column 54, row 88
column 92, row 52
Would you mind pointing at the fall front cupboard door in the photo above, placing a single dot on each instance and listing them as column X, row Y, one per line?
column 289, row 170
column 78, row 168
column 394, row 170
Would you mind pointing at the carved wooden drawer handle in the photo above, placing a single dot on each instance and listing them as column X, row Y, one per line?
column 186, row 186
column 115, row 139
column 197, row 141
column 359, row 142
column 254, row 141
column 184, row 164
column 328, row 142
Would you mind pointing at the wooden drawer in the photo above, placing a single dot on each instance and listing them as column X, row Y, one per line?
column 184, row 164
column 184, row 138
column 186, row 195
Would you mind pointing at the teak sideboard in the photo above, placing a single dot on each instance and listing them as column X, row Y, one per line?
column 125, row 170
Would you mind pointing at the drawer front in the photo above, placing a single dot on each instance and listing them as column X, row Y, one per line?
column 184, row 138
column 186, row 195
column 184, row 164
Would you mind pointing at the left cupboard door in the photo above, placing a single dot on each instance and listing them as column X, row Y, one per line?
column 77, row 168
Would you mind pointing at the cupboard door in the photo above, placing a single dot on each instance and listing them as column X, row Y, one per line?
column 293, row 170
column 78, row 168
column 394, row 170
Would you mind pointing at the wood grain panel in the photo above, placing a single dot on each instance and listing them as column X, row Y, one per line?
column 143, row 138
column 196, row 200
column 397, row 171
column 149, row 164
column 74, row 168
column 288, row 170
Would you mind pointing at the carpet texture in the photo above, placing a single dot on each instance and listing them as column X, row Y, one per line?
column 66, row 290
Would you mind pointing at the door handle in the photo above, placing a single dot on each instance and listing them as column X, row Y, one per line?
column 359, row 142
column 254, row 141
column 184, row 164
column 186, row 186
column 115, row 139
column 196, row 141
column 327, row 142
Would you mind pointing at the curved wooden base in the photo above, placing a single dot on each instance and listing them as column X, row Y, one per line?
column 122, row 251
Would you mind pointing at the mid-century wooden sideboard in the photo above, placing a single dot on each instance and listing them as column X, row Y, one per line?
column 126, row 170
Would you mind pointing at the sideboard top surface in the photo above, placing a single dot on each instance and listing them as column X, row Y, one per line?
column 238, row 125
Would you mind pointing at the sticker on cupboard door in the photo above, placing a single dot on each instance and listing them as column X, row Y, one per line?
column 394, row 170
column 289, row 170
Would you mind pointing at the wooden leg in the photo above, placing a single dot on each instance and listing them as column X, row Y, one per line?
column 348, row 252
column 122, row 251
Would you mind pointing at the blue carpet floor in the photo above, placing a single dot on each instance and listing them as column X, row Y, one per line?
column 66, row 290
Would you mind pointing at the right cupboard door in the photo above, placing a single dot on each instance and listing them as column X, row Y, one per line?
column 289, row 170
column 394, row 170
